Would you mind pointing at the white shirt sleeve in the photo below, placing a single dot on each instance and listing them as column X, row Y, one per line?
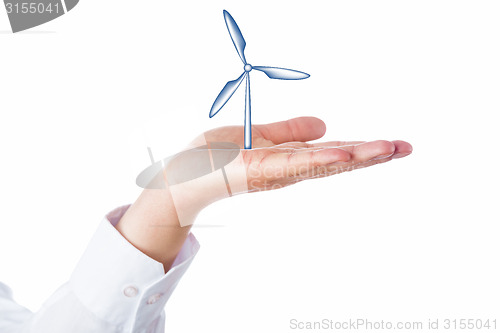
column 114, row 288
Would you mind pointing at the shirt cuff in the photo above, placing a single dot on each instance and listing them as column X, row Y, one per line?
column 121, row 285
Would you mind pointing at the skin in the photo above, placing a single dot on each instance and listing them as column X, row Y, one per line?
column 152, row 223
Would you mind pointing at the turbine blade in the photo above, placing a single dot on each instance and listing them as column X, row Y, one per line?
column 236, row 36
column 282, row 73
column 226, row 94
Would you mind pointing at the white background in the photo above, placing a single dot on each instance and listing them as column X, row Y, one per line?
column 413, row 239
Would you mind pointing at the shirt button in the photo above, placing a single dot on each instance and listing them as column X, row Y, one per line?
column 130, row 291
column 154, row 298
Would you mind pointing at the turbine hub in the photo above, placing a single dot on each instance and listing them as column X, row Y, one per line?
column 248, row 68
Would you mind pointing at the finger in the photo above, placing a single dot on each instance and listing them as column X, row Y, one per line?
column 290, row 166
column 335, row 143
column 401, row 149
column 313, row 146
column 310, row 161
column 370, row 150
column 297, row 129
column 291, row 162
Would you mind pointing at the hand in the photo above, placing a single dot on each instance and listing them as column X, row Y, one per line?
column 159, row 221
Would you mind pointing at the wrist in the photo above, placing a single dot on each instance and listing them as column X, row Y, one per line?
column 152, row 226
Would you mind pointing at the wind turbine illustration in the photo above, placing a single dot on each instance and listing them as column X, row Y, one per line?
column 231, row 86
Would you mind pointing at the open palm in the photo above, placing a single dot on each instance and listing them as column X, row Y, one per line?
column 282, row 155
